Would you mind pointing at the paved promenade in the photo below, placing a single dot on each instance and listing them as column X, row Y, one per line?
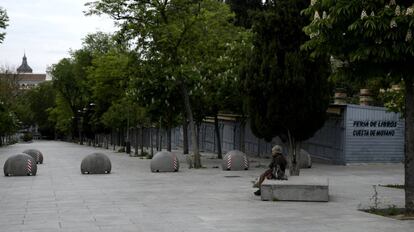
column 133, row 199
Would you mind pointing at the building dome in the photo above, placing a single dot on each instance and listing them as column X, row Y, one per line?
column 24, row 67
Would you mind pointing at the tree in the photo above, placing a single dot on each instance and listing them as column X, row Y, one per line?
column 155, row 89
column 172, row 33
column 9, row 91
column 394, row 98
column 21, row 109
column 220, row 88
column 41, row 99
column 63, row 117
column 286, row 90
column 3, row 23
column 108, row 80
column 243, row 10
column 371, row 37
column 73, row 93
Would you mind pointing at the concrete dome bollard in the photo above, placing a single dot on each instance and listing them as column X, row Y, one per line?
column 305, row 159
column 36, row 154
column 235, row 161
column 20, row 165
column 96, row 163
column 165, row 161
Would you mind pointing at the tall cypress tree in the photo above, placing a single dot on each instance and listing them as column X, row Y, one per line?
column 287, row 92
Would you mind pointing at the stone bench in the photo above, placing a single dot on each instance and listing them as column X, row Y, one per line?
column 297, row 188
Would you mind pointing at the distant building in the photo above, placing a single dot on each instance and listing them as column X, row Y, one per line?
column 24, row 67
column 26, row 78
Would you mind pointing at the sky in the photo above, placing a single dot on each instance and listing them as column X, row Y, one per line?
column 46, row 30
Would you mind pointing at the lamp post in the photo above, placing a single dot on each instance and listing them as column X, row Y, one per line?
column 127, row 142
column 88, row 112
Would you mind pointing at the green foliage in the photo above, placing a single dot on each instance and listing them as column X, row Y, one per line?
column 73, row 93
column 370, row 37
column 8, row 122
column 32, row 108
column 21, row 109
column 243, row 10
column 9, row 90
column 101, row 43
column 42, row 99
column 3, row 23
column 394, row 99
column 108, row 78
column 173, row 41
column 124, row 112
column 67, row 83
column 158, row 92
column 390, row 211
column 27, row 137
column 285, row 89
column 62, row 116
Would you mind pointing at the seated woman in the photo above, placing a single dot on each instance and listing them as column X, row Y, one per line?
column 276, row 168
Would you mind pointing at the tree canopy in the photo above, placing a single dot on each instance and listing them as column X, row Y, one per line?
column 286, row 90
column 370, row 38
column 179, row 37
column 3, row 23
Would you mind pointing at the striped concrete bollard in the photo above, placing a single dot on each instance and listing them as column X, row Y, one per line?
column 235, row 161
column 96, row 163
column 36, row 154
column 20, row 165
column 165, row 161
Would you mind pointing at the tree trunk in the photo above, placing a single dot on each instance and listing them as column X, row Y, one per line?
column 185, row 136
column 113, row 135
column 242, row 135
column 136, row 141
column 157, row 139
column 294, row 150
column 128, row 142
column 198, row 135
column 151, row 143
column 234, row 136
column 160, row 140
column 142, row 140
column 409, row 146
column 169, row 139
column 217, row 129
column 119, row 132
column 196, row 152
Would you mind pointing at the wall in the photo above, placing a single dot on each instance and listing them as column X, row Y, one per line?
column 327, row 145
column 373, row 135
column 351, row 134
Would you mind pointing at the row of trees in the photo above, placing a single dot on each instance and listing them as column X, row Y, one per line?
column 192, row 59
column 171, row 63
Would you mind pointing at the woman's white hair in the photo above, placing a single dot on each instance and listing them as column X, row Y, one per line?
column 277, row 149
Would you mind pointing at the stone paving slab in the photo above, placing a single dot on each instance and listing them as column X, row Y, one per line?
column 132, row 198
